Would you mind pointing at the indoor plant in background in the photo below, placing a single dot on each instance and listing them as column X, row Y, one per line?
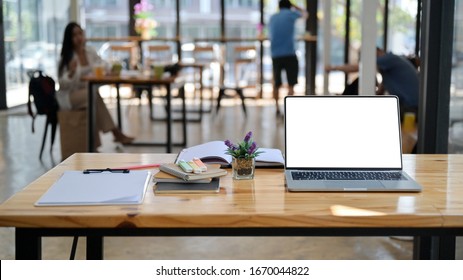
column 145, row 25
column 243, row 154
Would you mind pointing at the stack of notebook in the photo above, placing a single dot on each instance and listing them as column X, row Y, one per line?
column 172, row 179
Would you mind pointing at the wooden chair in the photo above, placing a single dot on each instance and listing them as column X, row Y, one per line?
column 244, row 62
column 156, row 55
column 206, row 76
column 159, row 54
column 206, row 54
column 223, row 93
column 127, row 54
column 245, row 66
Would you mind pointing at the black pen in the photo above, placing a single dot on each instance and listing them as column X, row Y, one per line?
column 116, row 170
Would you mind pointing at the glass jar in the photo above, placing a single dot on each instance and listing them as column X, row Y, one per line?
column 243, row 168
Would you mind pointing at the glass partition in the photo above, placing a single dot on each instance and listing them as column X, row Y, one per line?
column 242, row 21
column 200, row 26
column 456, row 85
column 402, row 27
column 33, row 33
column 401, row 33
column 200, row 19
column 105, row 18
column 164, row 12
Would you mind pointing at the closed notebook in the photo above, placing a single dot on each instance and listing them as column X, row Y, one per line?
column 163, row 177
column 175, row 170
column 165, row 188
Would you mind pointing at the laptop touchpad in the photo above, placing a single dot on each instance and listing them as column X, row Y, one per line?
column 346, row 184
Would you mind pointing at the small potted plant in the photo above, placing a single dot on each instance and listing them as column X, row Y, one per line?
column 243, row 157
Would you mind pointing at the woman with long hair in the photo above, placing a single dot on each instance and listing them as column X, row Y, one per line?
column 77, row 60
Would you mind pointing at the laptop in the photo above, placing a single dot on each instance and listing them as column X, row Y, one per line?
column 344, row 143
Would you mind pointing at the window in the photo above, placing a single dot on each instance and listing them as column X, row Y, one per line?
column 33, row 35
column 184, row 3
column 104, row 20
column 402, row 27
column 242, row 19
column 400, row 38
column 200, row 19
column 456, row 85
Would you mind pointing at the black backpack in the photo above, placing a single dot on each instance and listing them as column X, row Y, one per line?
column 42, row 89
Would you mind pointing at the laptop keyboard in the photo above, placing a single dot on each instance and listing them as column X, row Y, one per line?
column 347, row 175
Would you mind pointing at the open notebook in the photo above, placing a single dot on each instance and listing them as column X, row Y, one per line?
column 214, row 152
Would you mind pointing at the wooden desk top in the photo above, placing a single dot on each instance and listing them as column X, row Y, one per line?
column 129, row 79
column 262, row 202
column 305, row 37
column 131, row 39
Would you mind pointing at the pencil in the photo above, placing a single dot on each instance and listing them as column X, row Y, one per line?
column 143, row 166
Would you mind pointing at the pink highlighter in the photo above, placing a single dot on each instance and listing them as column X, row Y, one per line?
column 200, row 164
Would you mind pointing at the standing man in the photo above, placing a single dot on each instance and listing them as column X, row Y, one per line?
column 283, row 51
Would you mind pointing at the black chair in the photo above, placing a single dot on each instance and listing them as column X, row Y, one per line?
column 223, row 93
column 52, row 120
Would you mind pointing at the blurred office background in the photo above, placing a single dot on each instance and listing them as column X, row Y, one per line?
column 33, row 30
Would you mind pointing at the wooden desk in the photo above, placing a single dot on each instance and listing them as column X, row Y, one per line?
column 138, row 80
column 259, row 207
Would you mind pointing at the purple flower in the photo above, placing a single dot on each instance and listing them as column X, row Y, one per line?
column 252, row 148
column 229, row 144
column 248, row 136
column 243, row 149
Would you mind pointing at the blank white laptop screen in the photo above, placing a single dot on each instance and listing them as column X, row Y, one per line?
column 343, row 132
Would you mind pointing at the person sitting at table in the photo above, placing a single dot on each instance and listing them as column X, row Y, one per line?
column 399, row 77
column 76, row 61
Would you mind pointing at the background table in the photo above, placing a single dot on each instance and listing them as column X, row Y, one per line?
column 143, row 80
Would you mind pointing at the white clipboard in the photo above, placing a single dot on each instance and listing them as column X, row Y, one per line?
column 105, row 188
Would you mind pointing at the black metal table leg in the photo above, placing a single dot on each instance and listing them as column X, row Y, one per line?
column 118, row 99
column 184, row 120
column 95, row 247
column 169, row 118
column 28, row 244
column 91, row 120
column 422, row 248
column 447, row 245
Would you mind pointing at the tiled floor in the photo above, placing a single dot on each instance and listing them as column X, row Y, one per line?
column 19, row 165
